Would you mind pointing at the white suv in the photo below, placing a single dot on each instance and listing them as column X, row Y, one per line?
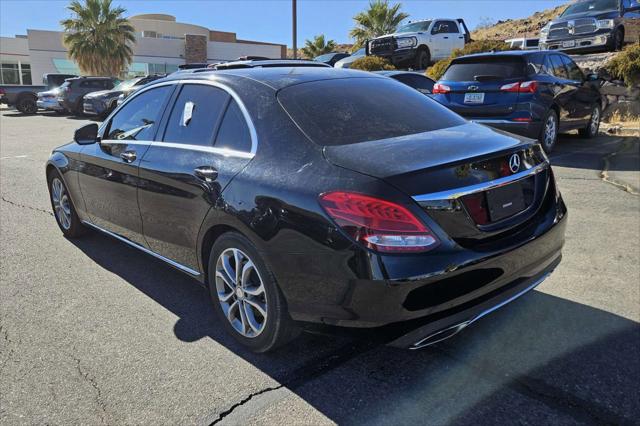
column 418, row 43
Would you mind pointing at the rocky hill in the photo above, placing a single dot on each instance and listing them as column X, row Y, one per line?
column 512, row 28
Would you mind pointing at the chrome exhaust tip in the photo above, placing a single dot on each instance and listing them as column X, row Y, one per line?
column 441, row 335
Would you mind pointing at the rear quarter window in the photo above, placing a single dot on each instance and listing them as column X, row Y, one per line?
column 492, row 67
column 353, row 110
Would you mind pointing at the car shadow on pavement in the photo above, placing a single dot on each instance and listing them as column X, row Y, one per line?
column 579, row 153
column 540, row 359
column 50, row 114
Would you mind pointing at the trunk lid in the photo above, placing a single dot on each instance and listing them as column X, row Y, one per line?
column 453, row 174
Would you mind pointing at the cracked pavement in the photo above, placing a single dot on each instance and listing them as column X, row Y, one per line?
column 93, row 332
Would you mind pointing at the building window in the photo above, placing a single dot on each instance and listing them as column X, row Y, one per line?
column 9, row 73
column 25, row 73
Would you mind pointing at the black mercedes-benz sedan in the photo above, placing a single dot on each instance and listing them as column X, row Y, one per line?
column 316, row 195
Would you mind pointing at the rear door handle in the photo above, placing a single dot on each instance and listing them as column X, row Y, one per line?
column 446, row 37
column 128, row 156
column 206, row 173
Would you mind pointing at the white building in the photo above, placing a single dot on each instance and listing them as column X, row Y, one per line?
column 162, row 44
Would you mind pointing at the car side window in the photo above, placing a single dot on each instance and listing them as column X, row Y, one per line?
column 196, row 114
column 574, row 70
column 234, row 131
column 558, row 68
column 445, row 27
column 537, row 65
column 421, row 84
column 138, row 118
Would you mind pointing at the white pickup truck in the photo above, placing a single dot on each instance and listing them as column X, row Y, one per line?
column 418, row 43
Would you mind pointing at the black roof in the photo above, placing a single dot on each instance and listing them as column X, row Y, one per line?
column 269, row 63
column 277, row 77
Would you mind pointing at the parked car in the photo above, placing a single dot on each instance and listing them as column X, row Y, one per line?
column 267, row 186
column 535, row 94
column 418, row 81
column 524, row 43
column 102, row 102
column 593, row 25
column 346, row 62
column 48, row 101
column 418, row 43
column 25, row 98
column 331, row 58
column 73, row 90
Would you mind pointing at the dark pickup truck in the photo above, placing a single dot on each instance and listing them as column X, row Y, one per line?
column 593, row 25
column 24, row 98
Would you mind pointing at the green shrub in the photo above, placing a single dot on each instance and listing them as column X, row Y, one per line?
column 479, row 46
column 626, row 65
column 372, row 63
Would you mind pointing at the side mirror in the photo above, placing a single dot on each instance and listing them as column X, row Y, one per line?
column 86, row 135
column 593, row 77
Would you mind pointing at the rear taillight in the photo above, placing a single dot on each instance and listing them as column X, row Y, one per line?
column 378, row 224
column 524, row 87
column 440, row 88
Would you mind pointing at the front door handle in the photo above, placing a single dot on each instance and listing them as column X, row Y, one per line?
column 128, row 156
column 207, row 173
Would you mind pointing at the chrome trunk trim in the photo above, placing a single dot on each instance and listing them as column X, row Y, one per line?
column 485, row 186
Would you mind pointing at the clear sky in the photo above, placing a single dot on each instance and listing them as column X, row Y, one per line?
column 269, row 20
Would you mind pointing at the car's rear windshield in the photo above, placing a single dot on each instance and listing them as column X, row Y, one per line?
column 486, row 68
column 352, row 110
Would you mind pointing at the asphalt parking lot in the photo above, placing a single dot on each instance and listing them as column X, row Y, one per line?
column 94, row 332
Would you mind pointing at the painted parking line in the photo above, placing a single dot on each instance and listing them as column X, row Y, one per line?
column 15, row 156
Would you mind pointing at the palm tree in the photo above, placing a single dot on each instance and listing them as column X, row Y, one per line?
column 318, row 46
column 99, row 38
column 378, row 20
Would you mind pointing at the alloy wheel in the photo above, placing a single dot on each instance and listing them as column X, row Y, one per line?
column 61, row 204
column 594, row 125
column 241, row 292
column 550, row 131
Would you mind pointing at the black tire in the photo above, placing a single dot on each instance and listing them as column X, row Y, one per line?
column 549, row 136
column 27, row 105
column 277, row 327
column 77, row 109
column 61, row 111
column 422, row 59
column 618, row 40
column 72, row 228
column 591, row 129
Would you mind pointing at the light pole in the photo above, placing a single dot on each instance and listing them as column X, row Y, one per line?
column 295, row 28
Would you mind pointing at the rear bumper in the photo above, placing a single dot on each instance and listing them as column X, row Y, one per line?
column 426, row 288
column 50, row 104
column 528, row 129
column 439, row 328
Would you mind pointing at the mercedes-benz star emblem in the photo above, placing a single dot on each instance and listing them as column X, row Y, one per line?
column 514, row 163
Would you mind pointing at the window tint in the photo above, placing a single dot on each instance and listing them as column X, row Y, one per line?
column 352, row 110
column 491, row 67
column 574, row 71
column 445, row 27
column 234, row 131
column 137, row 120
column 93, row 84
column 195, row 115
column 418, row 82
column 557, row 67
